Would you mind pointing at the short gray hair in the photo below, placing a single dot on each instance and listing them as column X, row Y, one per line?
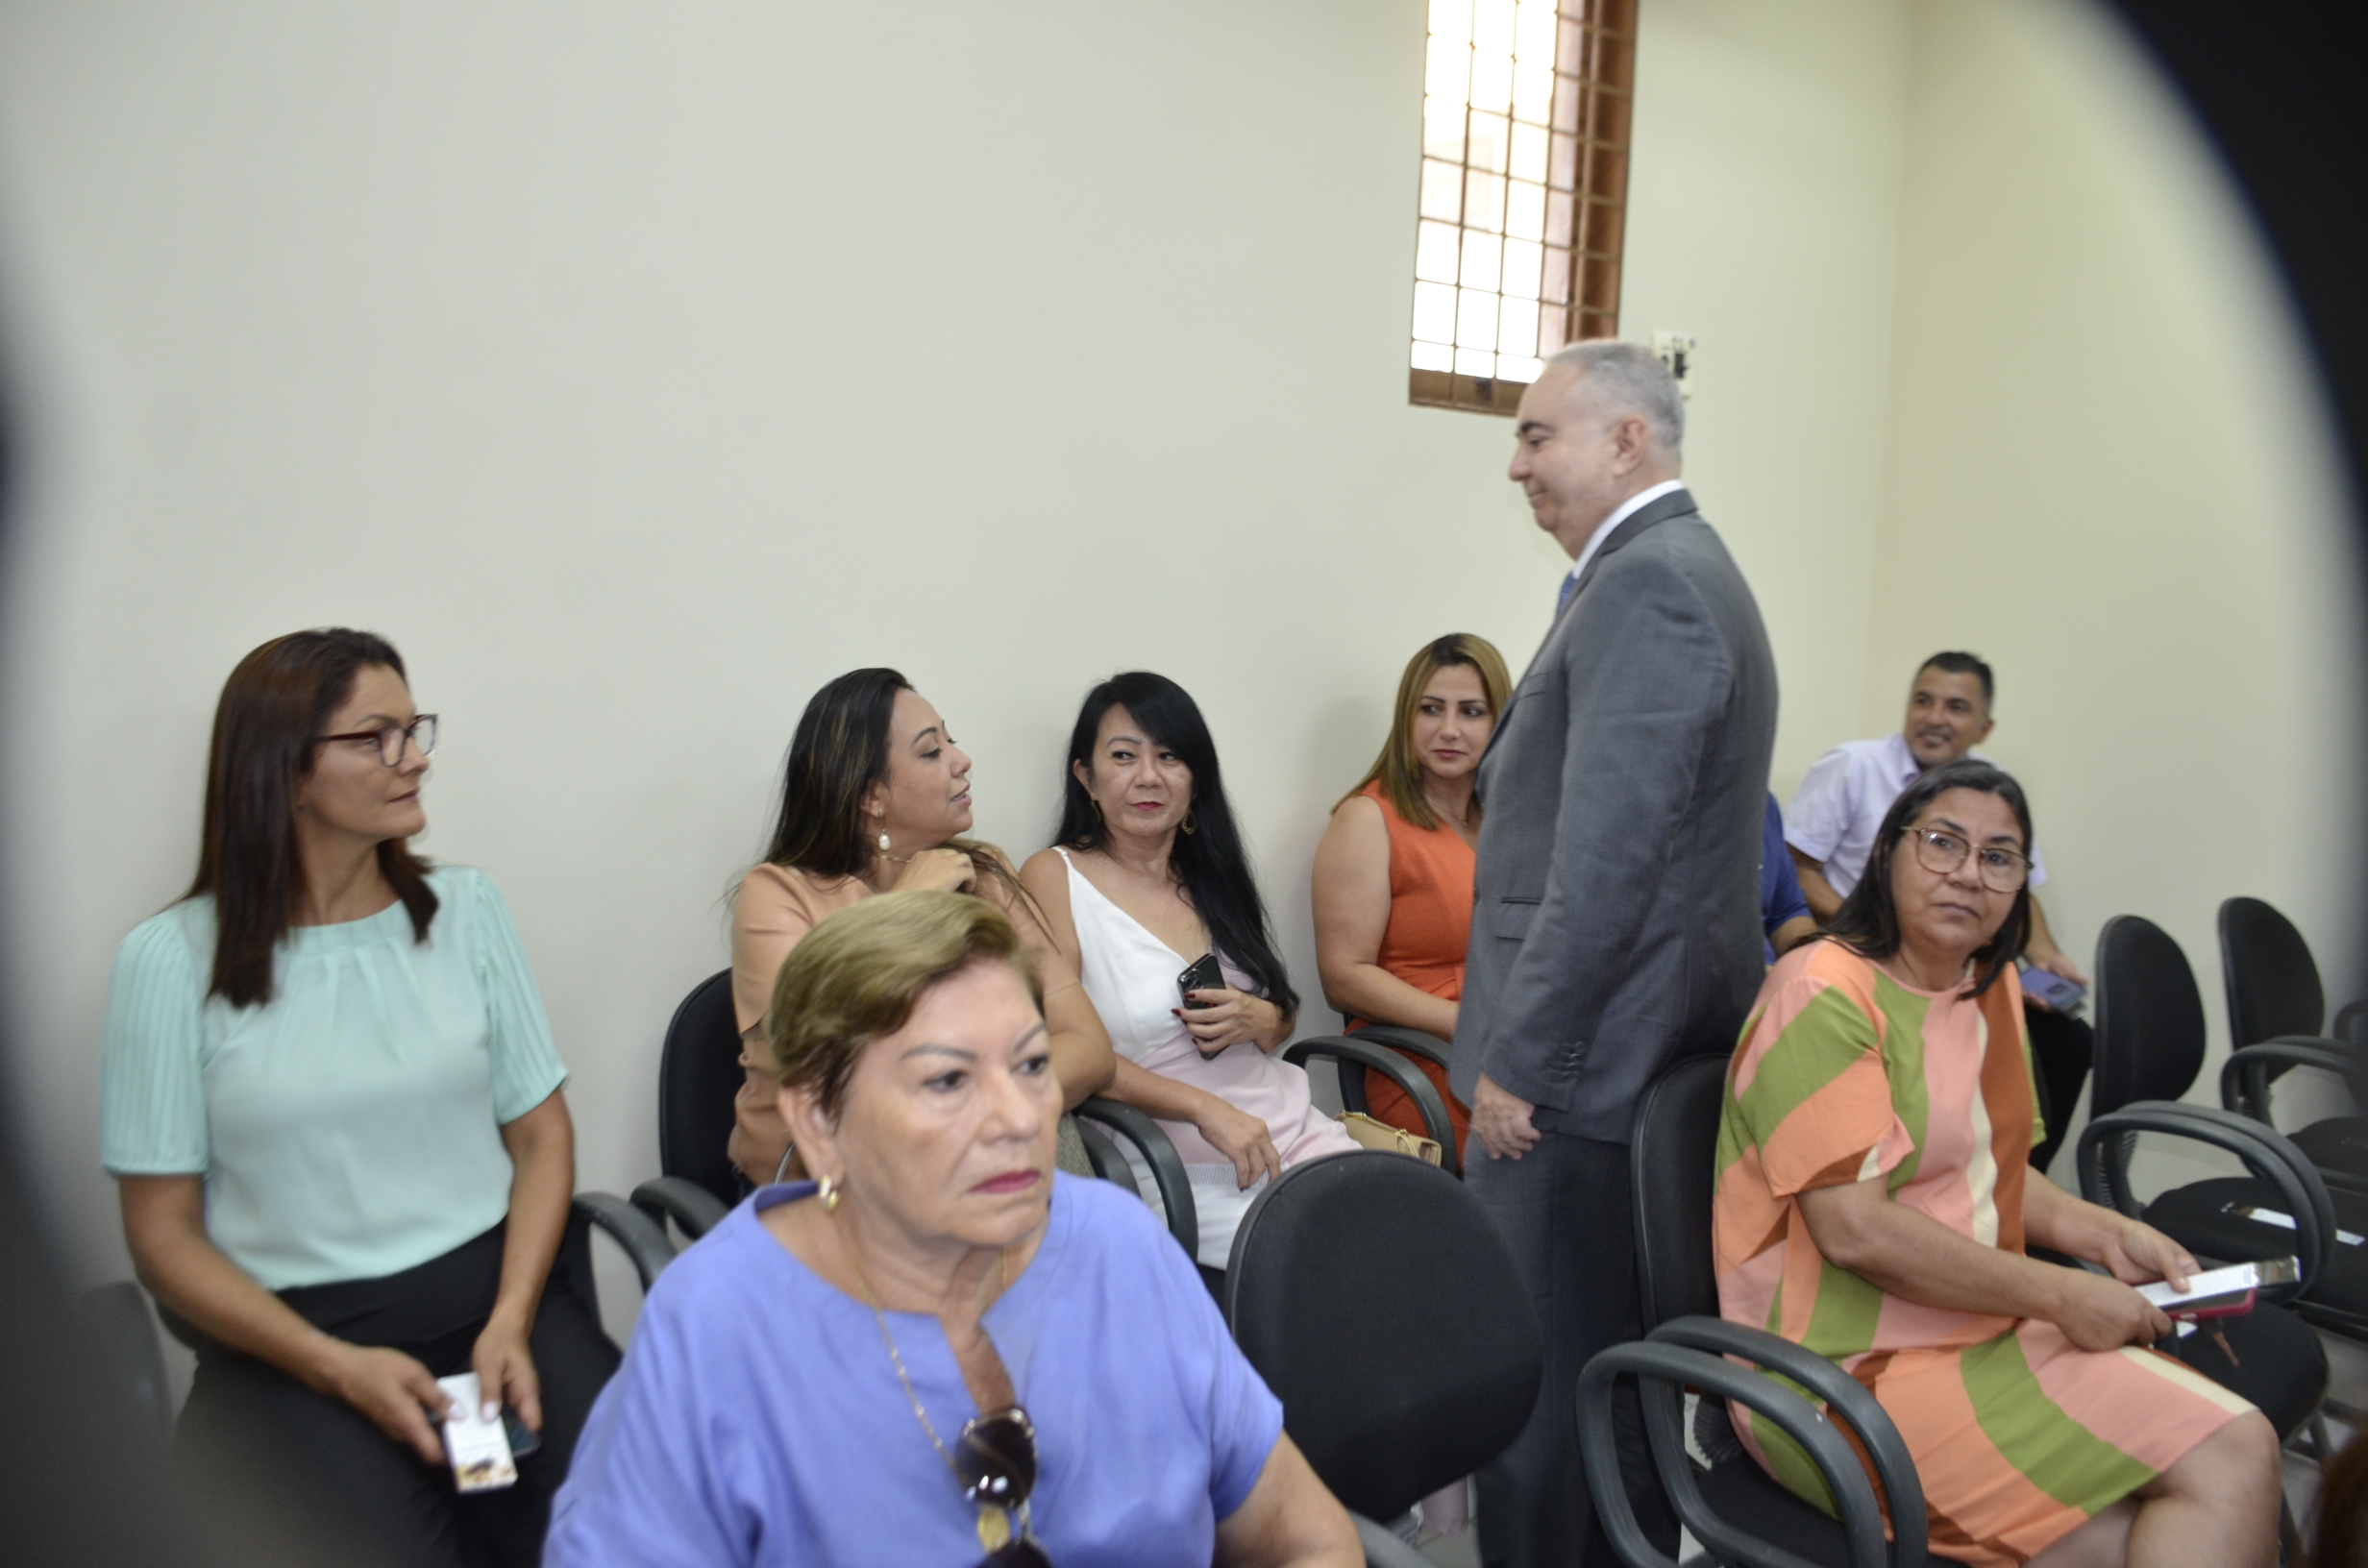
column 1629, row 379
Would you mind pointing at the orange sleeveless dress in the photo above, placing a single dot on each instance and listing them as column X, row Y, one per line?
column 1430, row 925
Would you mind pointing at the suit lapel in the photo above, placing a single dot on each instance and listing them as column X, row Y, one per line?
column 1676, row 504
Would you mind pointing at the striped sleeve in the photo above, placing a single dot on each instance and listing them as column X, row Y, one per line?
column 1810, row 1090
column 526, row 1059
column 152, row 1090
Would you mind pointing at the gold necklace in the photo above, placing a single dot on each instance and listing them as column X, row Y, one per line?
column 994, row 1530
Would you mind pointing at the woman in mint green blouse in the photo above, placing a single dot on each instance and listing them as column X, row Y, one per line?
column 329, row 1098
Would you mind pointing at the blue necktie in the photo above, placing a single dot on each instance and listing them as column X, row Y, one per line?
column 1562, row 595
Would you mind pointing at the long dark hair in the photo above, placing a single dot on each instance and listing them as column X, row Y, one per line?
column 1209, row 862
column 277, row 699
column 1867, row 923
column 839, row 751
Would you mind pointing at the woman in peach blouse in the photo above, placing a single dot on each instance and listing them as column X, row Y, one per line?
column 875, row 797
column 1393, row 880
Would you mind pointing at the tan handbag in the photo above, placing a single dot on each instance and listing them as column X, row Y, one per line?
column 1380, row 1134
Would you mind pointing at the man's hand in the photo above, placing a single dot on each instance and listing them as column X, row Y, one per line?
column 1501, row 1121
column 2040, row 952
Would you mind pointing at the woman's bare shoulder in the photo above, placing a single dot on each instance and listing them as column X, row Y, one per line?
column 1357, row 829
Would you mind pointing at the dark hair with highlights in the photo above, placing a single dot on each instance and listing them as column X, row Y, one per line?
column 1868, row 923
column 1210, row 864
column 839, row 751
column 277, row 699
column 1397, row 769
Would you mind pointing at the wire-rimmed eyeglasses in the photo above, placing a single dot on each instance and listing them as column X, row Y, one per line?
column 2001, row 870
column 419, row 733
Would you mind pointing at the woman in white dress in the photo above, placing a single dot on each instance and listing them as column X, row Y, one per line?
column 1146, row 877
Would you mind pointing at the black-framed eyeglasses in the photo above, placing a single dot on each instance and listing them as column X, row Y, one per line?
column 1941, row 852
column 419, row 733
column 994, row 1459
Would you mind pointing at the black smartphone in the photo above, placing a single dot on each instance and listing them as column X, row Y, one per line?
column 1206, row 975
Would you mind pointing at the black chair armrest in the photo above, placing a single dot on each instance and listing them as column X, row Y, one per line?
column 1418, row 1086
column 1167, row 1175
column 2244, row 1077
column 1664, row 1370
column 1382, row 1548
column 2102, row 1156
column 1412, row 1041
column 643, row 1238
column 2346, row 1016
column 694, row 1209
column 1844, row 1397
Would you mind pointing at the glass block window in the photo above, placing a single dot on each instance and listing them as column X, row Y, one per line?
column 1523, row 189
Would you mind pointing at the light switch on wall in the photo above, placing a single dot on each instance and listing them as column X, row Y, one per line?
column 1675, row 349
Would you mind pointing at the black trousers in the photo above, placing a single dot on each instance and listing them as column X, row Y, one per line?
column 1566, row 1212
column 2062, row 1048
column 280, row 1473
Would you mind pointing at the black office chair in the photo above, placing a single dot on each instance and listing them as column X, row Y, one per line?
column 1733, row 1506
column 115, row 1324
column 2276, row 1007
column 1384, row 1048
column 2150, row 1047
column 1374, row 1295
column 698, row 1077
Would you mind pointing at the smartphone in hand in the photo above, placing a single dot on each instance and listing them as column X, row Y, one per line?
column 1205, row 974
column 2053, row 988
column 481, row 1452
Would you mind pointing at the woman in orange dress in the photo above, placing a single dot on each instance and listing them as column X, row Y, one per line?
column 1393, row 881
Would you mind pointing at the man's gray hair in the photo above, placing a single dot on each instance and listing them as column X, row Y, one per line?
column 1628, row 378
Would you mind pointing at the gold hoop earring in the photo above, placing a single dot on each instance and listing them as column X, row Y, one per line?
column 827, row 1189
column 1189, row 825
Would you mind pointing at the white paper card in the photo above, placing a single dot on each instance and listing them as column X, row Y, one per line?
column 479, row 1448
column 2216, row 1282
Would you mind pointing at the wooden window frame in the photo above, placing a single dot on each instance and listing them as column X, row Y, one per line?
column 1594, row 95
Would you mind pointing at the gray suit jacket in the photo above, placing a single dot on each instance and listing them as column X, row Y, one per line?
column 1615, row 920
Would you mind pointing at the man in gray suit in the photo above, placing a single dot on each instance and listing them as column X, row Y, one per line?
column 1616, row 912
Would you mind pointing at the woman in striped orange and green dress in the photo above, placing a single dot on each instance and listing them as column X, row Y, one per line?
column 1874, row 1202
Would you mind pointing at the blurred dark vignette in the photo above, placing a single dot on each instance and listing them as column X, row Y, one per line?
column 2275, row 86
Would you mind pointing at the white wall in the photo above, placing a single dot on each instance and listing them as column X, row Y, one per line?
column 638, row 369
column 2106, row 471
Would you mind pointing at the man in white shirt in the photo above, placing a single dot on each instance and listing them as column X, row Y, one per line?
column 1830, row 825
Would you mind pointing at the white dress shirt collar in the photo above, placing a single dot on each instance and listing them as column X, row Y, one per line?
column 1622, row 513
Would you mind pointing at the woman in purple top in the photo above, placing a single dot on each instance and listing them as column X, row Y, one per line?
column 939, row 1352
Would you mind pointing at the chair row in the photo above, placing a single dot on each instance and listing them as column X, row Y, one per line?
column 699, row 1076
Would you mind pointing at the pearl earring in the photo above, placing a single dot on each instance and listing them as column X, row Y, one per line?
column 883, row 843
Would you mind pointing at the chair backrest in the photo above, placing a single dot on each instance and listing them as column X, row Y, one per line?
column 1673, row 1153
column 1375, row 1296
column 2273, row 983
column 698, row 1076
column 2150, row 1016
